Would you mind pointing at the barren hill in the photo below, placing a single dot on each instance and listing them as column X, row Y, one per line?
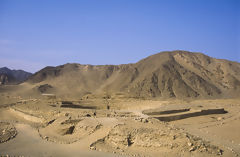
column 8, row 76
column 177, row 74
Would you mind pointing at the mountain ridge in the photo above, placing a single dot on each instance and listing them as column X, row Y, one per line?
column 8, row 76
column 169, row 74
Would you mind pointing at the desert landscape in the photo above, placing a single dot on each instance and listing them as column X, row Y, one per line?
column 173, row 103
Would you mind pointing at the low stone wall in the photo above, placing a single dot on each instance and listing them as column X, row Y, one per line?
column 165, row 112
column 173, row 117
column 26, row 116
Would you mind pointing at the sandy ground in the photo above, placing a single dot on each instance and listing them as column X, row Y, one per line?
column 29, row 143
column 128, row 127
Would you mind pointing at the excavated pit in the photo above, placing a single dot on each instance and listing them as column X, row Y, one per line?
column 172, row 115
column 70, row 130
column 70, row 104
column 77, row 106
column 166, row 112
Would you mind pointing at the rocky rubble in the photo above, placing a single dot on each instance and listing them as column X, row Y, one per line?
column 7, row 131
column 122, row 137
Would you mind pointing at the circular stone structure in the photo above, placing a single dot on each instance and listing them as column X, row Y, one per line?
column 7, row 131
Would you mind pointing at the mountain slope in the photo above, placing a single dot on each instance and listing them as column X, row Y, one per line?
column 8, row 76
column 177, row 74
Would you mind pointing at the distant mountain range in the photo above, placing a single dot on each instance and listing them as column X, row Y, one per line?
column 8, row 76
column 170, row 74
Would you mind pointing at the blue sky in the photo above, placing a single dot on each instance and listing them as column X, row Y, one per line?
column 35, row 34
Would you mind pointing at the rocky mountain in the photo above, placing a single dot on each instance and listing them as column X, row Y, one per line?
column 8, row 76
column 170, row 74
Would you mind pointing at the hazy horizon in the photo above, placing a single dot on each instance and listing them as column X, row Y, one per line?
column 50, row 33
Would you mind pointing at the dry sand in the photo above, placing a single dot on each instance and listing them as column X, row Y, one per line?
column 168, row 104
column 46, row 129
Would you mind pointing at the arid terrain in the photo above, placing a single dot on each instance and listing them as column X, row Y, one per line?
column 169, row 104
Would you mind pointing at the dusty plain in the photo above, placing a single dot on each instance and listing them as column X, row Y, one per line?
column 171, row 104
column 113, row 126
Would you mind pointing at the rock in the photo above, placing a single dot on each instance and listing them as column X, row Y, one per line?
column 192, row 149
column 190, row 144
column 220, row 118
column 45, row 137
column 145, row 121
column 174, row 137
column 93, row 148
column 220, row 152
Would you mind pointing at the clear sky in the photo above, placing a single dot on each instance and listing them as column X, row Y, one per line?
column 38, row 33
